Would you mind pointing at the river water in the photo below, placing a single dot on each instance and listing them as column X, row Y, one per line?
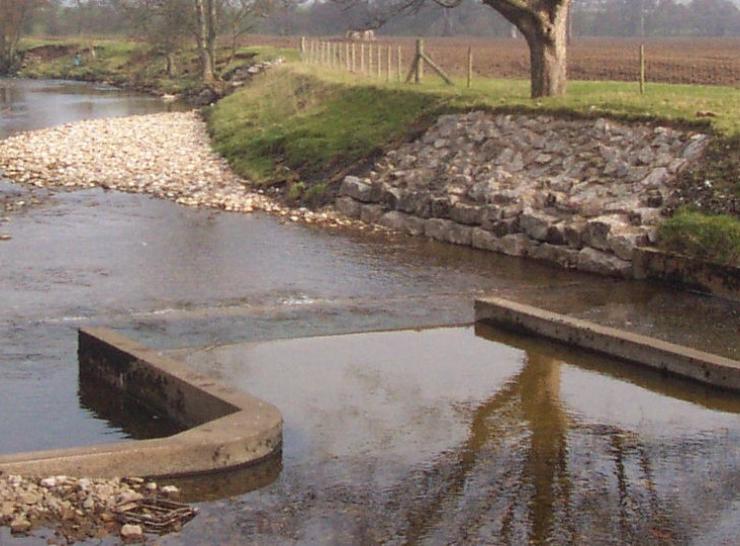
column 402, row 424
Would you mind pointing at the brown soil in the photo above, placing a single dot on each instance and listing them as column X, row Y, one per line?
column 711, row 61
column 50, row 52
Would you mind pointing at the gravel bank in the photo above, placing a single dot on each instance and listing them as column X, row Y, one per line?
column 166, row 155
column 87, row 508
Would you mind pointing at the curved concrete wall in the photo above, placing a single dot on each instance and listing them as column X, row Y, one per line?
column 226, row 428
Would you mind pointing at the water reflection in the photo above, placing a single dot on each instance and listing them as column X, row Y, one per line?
column 36, row 104
column 122, row 412
column 443, row 437
column 570, row 479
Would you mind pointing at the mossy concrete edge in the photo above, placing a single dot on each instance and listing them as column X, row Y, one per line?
column 713, row 370
column 225, row 427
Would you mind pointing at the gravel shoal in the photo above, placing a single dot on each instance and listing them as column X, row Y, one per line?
column 166, row 155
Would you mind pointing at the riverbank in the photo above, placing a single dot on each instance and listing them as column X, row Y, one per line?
column 302, row 129
column 165, row 155
column 136, row 66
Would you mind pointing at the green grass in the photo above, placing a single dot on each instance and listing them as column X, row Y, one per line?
column 294, row 126
column 133, row 64
column 308, row 125
column 708, row 237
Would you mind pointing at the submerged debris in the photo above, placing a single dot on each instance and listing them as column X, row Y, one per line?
column 80, row 508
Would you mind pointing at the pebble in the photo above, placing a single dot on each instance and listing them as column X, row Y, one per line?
column 166, row 155
column 75, row 508
column 132, row 532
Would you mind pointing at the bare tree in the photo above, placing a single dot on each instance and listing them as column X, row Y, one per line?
column 165, row 24
column 14, row 18
column 239, row 17
column 205, row 37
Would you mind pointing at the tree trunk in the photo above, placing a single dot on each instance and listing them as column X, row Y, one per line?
column 548, row 67
column 545, row 27
column 203, row 39
column 548, row 47
column 171, row 65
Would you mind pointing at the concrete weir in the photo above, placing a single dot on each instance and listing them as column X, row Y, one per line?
column 225, row 428
column 683, row 361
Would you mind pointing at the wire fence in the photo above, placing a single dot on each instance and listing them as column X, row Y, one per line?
column 699, row 61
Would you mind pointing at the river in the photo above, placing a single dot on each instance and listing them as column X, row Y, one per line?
column 410, row 428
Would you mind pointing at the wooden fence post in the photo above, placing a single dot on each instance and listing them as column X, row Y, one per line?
column 354, row 58
column 347, row 60
column 417, row 67
column 303, row 48
column 380, row 61
column 642, row 69
column 419, row 61
column 389, row 62
column 370, row 59
column 400, row 65
column 470, row 65
column 362, row 58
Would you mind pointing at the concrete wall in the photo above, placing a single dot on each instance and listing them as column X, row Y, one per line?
column 230, row 429
column 706, row 368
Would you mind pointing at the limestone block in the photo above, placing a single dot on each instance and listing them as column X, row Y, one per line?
column 394, row 220
column 370, row 214
column 623, row 241
column 536, row 224
column 517, row 244
column 596, row 232
column 415, row 226
column 561, row 255
column 485, row 240
column 348, row 207
column 358, row 189
column 437, row 228
column 471, row 215
column 594, row 261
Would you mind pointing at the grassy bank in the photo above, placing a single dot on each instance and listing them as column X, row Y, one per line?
column 129, row 64
column 303, row 127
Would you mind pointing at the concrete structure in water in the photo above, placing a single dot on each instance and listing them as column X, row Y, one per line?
column 225, row 428
column 706, row 368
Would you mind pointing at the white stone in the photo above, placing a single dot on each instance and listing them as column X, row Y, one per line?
column 132, row 532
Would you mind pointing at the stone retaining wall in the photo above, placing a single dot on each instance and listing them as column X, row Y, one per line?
column 581, row 194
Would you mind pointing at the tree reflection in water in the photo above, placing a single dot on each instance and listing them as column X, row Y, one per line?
column 531, row 472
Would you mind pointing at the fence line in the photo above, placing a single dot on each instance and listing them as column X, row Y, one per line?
column 379, row 62
column 708, row 62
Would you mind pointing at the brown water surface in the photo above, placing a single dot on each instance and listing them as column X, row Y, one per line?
column 432, row 436
column 474, row 436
